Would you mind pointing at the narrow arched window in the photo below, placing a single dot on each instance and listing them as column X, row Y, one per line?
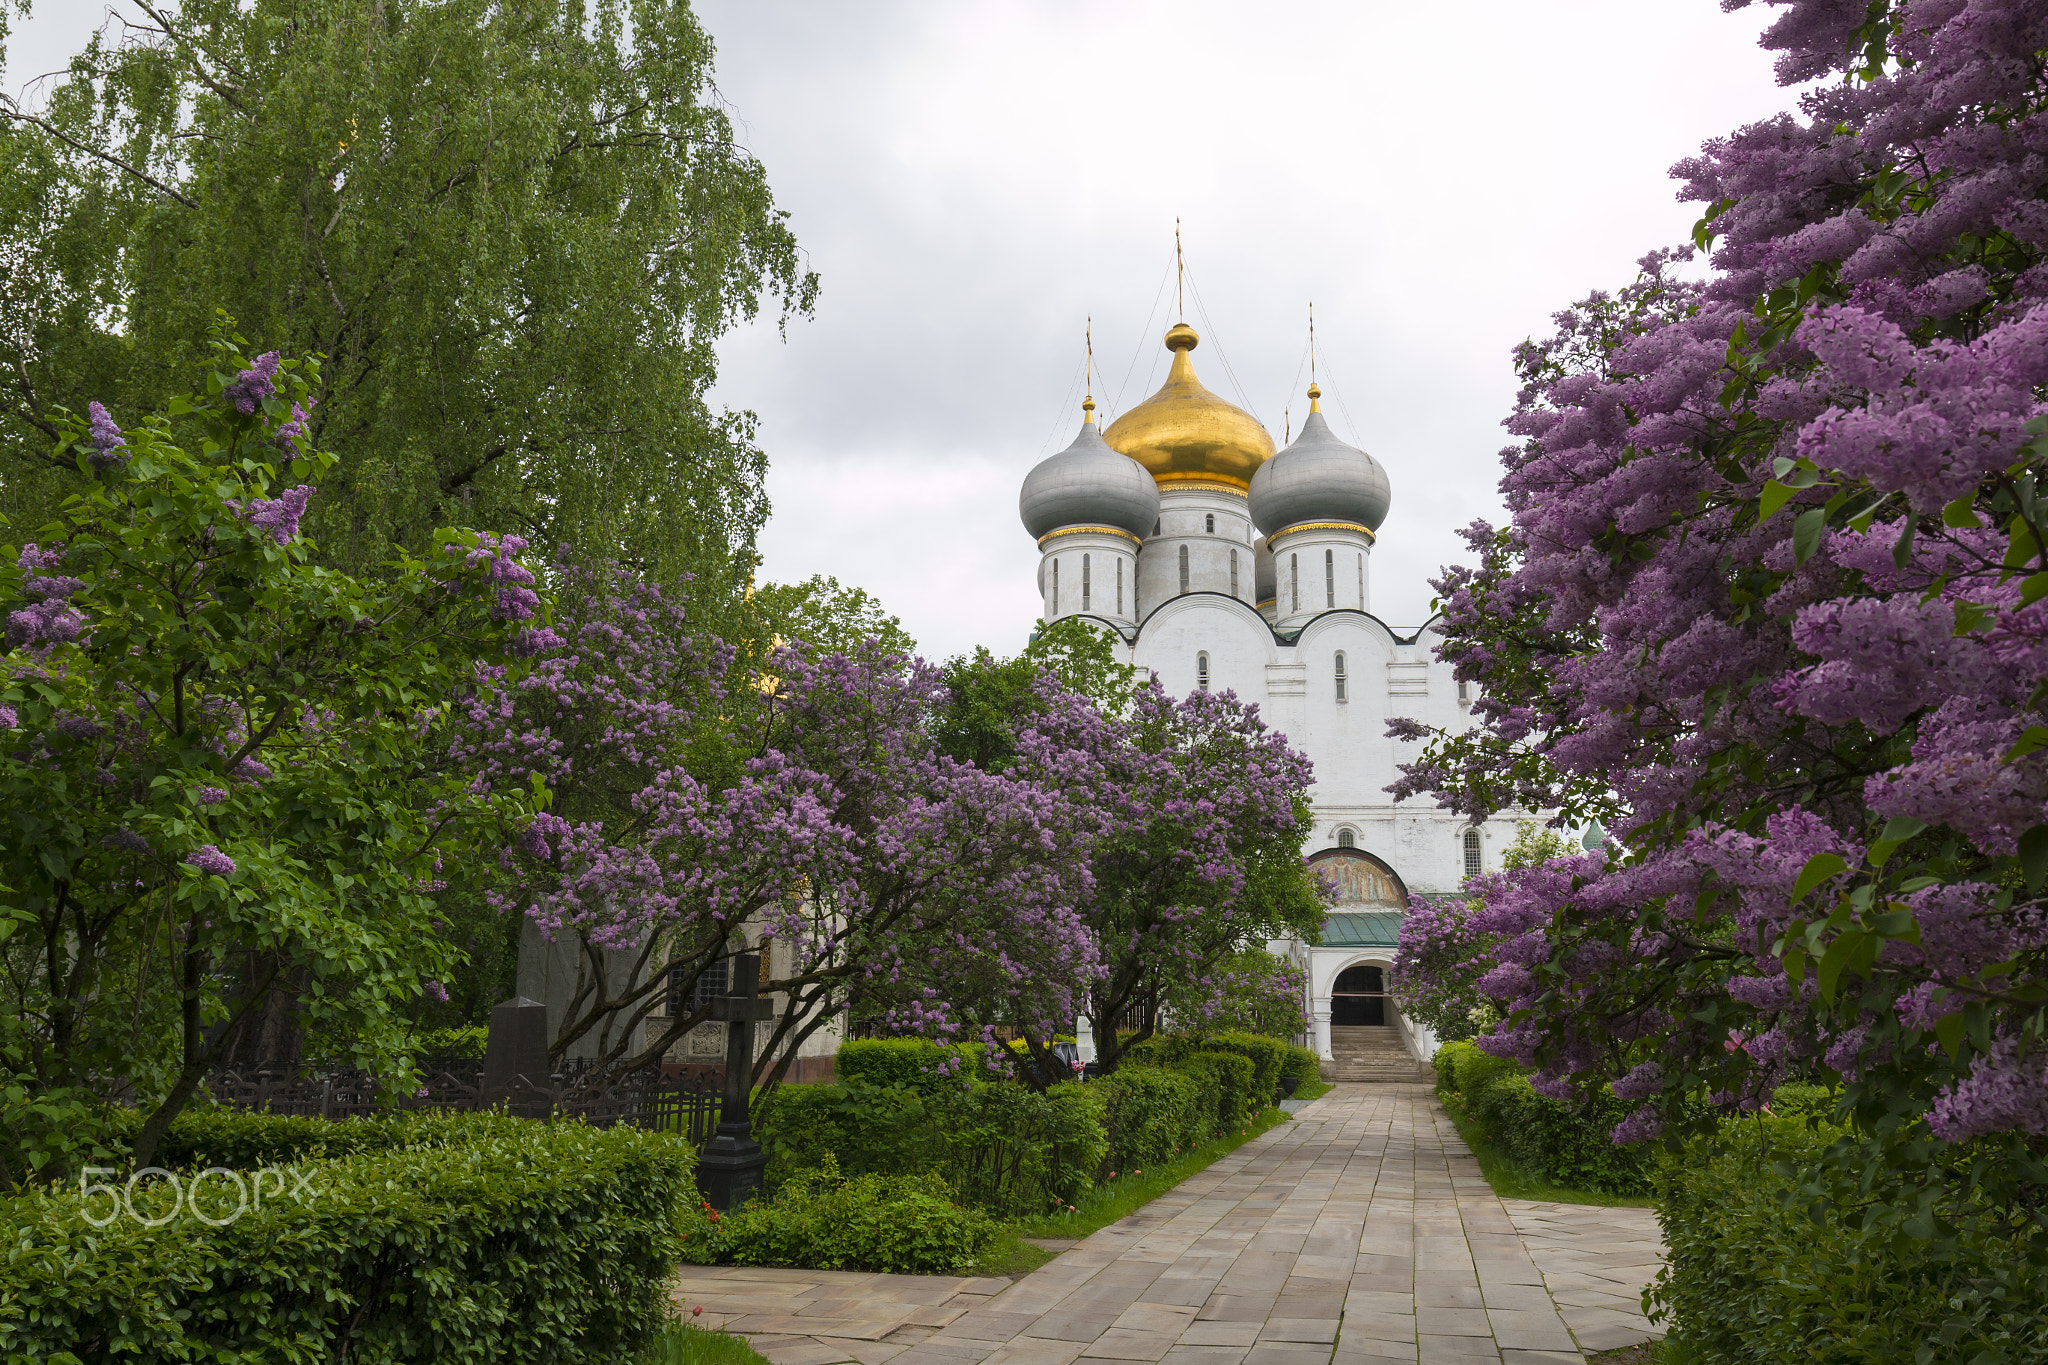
column 1361, row 582
column 1209, row 523
column 1472, row 865
column 1343, row 683
column 1119, row 585
column 1202, row 670
column 1183, row 568
column 1346, row 839
column 1086, row 587
column 1157, row 523
column 1294, row 582
column 1464, row 690
column 1233, row 573
column 1330, row 578
column 1055, row 587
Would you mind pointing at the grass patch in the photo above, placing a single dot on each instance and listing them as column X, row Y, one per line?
column 1510, row 1179
column 1011, row 1255
column 1311, row 1090
column 681, row 1344
column 1113, row 1199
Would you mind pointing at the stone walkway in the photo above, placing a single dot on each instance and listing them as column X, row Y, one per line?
column 1360, row 1232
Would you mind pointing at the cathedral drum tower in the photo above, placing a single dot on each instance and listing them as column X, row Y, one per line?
column 1221, row 565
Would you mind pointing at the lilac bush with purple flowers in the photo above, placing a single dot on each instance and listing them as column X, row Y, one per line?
column 1771, row 605
column 691, row 797
column 1197, row 813
column 170, row 642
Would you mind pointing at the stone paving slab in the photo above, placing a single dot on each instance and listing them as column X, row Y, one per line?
column 1362, row 1232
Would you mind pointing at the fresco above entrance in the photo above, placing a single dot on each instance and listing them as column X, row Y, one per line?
column 1361, row 879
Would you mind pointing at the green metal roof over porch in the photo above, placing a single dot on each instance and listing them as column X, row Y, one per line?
column 1362, row 929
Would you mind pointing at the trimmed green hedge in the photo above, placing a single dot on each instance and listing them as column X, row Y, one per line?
column 1567, row 1145
column 242, row 1141
column 1265, row 1055
column 998, row 1147
column 823, row 1220
column 1299, row 1066
column 1224, row 1065
column 1752, row 1279
column 1152, row 1114
column 1236, row 1100
column 918, row 1063
column 483, row 1239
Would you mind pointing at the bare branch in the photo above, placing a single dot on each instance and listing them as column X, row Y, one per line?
column 52, row 130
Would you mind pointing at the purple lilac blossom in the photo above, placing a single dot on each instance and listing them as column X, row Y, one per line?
column 276, row 517
column 1652, row 647
column 249, row 388
column 108, row 445
column 212, row 861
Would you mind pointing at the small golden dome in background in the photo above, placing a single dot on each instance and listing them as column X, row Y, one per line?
column 1186, row 432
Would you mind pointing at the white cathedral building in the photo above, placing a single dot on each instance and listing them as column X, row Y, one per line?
column 1222, row 565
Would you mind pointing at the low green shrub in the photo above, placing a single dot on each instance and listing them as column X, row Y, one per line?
column 1161, row 1049
column 1568, row 1145
column 1753, row 1276
column 1225, row 1066
column 240, row 1140
column 1265, row 1055
column 1151, row 1115
column 1461, row 1067
column 1013, row 1151
column 1571, row 1145
column 999, row 1147
column 465, row 1041
column 1299, row 1066
column 917, row 1063
column 508, row 1240
column 1235, row 1100
column 1446, row 1061
column 824, row 1220
column 867, row 1128
column 1803, row 1101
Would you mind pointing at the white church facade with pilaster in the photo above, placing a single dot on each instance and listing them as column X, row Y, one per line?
column 1221, row 564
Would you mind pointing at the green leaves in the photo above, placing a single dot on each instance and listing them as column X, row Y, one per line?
column 462, row 1237
column 423, row 192
column 226, row 693
column 1818, row 869
column 1806, row 533
column 2034, row 856
column 1896, row 831
column 1775, row 496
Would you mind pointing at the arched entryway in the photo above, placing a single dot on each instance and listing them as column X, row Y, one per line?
column 1360, row 996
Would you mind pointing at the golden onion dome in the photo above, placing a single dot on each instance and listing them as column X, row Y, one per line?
column 1186, row 433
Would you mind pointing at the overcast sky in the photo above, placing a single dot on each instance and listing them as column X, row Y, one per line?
column 972, row 180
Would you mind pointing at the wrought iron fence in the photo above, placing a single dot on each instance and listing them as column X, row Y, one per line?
column 685, row 1105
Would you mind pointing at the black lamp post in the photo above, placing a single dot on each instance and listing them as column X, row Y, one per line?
column 729, row 1171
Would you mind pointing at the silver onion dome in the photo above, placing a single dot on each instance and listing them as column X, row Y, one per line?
column 1088, row 484
column 1319, row 478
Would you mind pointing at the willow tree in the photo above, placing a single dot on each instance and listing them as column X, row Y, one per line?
column 515, row 228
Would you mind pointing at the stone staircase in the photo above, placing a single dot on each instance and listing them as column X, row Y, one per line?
column 1366, row 1052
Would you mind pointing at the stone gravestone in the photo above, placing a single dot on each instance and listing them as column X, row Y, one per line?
column 729, row 1171
column 516, row 1046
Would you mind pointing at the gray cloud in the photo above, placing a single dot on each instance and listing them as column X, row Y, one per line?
column 973, row 180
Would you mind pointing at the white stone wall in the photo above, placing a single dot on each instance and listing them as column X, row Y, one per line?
column 1288, row 669
column 1185, row 516
column 1294, row 686
column 1310, row 567
column 1097, row 576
